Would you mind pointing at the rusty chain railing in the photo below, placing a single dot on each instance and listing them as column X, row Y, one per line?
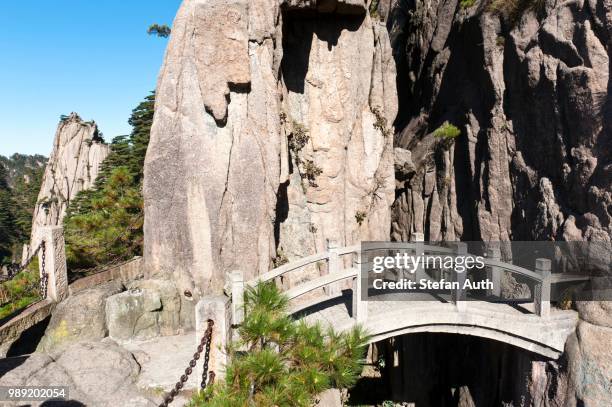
column 204, row 346
column 14, row 269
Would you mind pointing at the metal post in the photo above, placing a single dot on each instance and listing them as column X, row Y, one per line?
column 494, row 272
column 55, row 262
column 237, row 288
column 541, row 295
column 458, row 295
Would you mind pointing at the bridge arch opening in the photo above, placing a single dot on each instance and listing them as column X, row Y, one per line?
column 443, row 370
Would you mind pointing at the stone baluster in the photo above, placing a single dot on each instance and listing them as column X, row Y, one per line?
column 458, row 295
column 419, row 240
column 333, row 266
column 55, row 262
column 218, row 309
column 541, row 294
column 237, row 292
column 494, row 273
column 360, row 307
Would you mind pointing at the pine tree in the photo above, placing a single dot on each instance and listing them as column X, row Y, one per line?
column 25, row 194
column 7, row 221
column 104, row 223
column 3, row 178
column 141, row 122
column 286, row 363
column 20, row 178
column 162, row 30
column 112, row 227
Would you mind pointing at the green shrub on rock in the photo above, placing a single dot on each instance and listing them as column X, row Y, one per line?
column 513, row 10
column 447, row 131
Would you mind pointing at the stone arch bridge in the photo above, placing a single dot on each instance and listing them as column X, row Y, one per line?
column 536, row 327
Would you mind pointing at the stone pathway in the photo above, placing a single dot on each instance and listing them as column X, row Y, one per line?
column 163, row 360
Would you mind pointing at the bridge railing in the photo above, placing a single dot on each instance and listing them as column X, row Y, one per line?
column 336, row 272
column 330, row 280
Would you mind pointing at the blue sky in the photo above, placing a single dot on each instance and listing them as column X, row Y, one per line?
column 91, row 57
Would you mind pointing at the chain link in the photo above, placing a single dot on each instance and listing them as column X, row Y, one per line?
column 14, row 269
column 204, row 346
column 44, row 276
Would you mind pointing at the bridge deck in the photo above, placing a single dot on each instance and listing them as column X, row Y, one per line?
column 513, row 324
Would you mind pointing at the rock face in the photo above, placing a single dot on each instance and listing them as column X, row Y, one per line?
column 529, row 90
column 272, row 133
column 78, row 151
column 97, row 373
column 148, row 309
column 590, row 365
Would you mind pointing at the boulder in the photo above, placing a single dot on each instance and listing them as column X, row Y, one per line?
column 596, row 312
column 590, row 365
column 149, row 308
column 96, row 373
column 81, row 317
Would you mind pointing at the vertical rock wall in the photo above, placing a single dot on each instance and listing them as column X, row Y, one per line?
column 212, row 166
column 224, row 189
column 339, row 79
column 530, row 89
column 73, row 167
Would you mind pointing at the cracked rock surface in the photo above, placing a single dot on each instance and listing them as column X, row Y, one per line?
column 97, row 373
column 227, row 183
column 73, row 167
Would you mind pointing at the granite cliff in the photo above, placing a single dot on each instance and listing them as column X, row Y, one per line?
column 78, row 151
column 272, row 136
column 528, row 83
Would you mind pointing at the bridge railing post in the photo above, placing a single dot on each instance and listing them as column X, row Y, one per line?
column 541, row 294
column 419, row 239
column 458, row 295
column 217, row 309
column 333, row 266
column 359, row 306
column 494, row 272
column 55, row 262
column 237, row 292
